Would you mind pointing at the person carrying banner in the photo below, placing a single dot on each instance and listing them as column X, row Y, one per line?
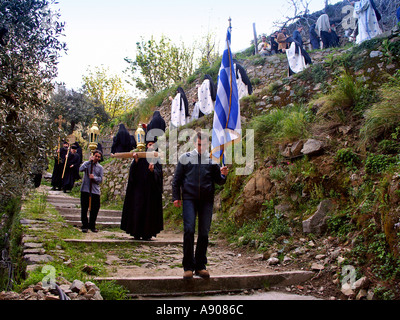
column 193, row 188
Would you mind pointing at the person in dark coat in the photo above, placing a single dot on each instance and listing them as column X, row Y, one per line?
column 142, row 214
column 274, row 43
column 79, row 151
column 157, row 122
column 314, row 39
column 71, row 169
column 193, row 188
column 122, row 140
column 59, row 160
column 297, row 36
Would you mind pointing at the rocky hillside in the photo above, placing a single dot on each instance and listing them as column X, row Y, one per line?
column 326, row 164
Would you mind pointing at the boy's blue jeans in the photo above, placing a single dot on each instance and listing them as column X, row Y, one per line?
column 203, row 209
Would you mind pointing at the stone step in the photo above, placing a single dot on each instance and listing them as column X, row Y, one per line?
column 100, row 218
column 105, row 224
column 77, row 212
column 153, row 243
column 215, row 284
column 62, row 198
column 63, row 205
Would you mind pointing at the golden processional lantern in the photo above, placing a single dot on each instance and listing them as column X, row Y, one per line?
column 140, row 137
column 94, row 133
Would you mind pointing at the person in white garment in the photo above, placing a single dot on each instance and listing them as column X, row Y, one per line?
column 323, row 28
column 179, row 109
column 367, row 20
column 298, row 58
column 206, row 93
column 243, row 82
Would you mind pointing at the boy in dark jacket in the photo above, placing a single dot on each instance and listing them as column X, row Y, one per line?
column 193, row 186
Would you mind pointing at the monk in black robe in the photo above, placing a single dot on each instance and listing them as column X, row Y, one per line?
column 122, row 140
column 71, row 169
column 59, row 160
column 157, row 122
column 142, row 214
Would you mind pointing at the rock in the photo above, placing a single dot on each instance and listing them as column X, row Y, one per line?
column 340, row 260
column 11, row 295
column 347, row 290
column 76, row 286
column 375, row 54
column 362, row 294
column 317, row 267
column 287, row 259
column 37, row 258
column 97, row 296
column 272, row 261
column 312, row 146
column 90, row 285
column 371, row 294
column 344, row 129
column 296, row 148
column 82, row 291
column 361, row 283
column 87, row 269
column 317, row 222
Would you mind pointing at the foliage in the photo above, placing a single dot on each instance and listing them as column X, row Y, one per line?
column 159, row 64
column 9, row 210
column 212, row 70
column 376, row 163
column 76, row 108
column 347, row 94
column 286, row 124
column 383, row 117
column 340, row 224
column 110, row 290
column 208, row 50
column 264, row 230
column 277, row 173
column 347, row 157
column 28, row 65
column 108, row 90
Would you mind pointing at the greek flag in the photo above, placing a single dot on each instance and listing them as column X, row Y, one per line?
column 226, row 126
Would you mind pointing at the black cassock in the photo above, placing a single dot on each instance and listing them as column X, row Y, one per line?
column 56, row 181
column 142, row 215
column 71, row 174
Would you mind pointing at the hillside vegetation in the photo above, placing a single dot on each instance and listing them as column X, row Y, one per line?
column 349, row 101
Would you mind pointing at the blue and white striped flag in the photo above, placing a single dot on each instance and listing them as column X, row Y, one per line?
column 226, row 126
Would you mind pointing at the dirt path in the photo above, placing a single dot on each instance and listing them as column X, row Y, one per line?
column 162, row 256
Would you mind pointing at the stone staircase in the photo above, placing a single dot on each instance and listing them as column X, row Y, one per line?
column 160, row 272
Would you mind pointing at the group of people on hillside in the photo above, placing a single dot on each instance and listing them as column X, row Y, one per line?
column 323, row 32
column 193, row 184
column 206, row 98
column 66, row 166
column 193, row 190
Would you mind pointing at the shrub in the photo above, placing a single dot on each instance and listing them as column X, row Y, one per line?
column 383, row 117
column 280, row 125
column 348, row 94
column 377, row 163
column 347, row 157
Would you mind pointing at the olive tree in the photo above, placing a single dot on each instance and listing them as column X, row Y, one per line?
column 30, row 46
